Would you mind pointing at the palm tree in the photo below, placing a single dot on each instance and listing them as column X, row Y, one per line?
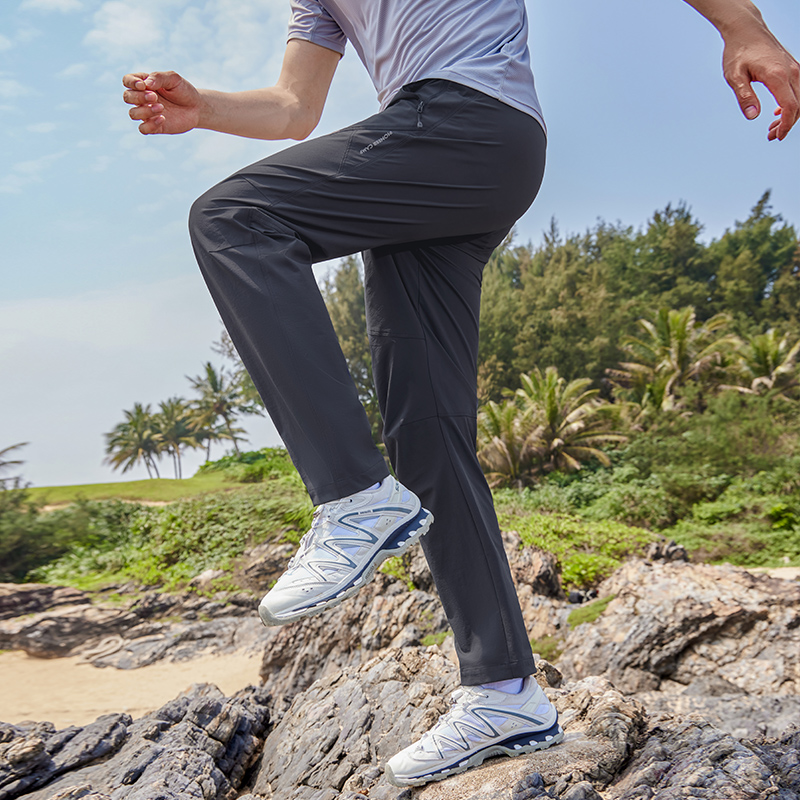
column 5, row 462
column 134, row 440
column 767, row 364
column 506, row 451
column 174, row 431
column 566, row 419
column 676, row 349
column 220, row 396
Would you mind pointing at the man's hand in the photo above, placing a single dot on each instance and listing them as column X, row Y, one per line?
column 751, row 54
column 163, row 101
column 761, row 57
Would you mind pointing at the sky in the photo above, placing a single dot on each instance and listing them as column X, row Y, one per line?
column 101, row 302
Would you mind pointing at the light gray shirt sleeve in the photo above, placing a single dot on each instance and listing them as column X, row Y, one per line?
column 312, row 23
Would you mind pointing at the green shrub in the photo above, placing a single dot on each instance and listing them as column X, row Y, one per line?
column 587, row 551
column 168, row 546
column 253, row 466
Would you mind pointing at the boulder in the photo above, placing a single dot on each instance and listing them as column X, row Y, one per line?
column 150, row 627
column 199, row 745
column 682, row 622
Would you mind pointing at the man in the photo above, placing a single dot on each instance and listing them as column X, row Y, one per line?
column 427, row 188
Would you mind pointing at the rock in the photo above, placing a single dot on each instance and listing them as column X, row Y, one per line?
column 665, row 550
column 131, row 636
column 336, row 735
column 741, row 716
column 383, row 614
column 264, row 564
column 689, row 758
column 533, row 567
column 18, row 599
column 681, row 622
column 205, row 579
column 199, row 745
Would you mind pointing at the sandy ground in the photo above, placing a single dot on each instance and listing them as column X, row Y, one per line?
column 65, row 691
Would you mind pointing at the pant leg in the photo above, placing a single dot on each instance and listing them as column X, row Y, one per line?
column 423, row 305
column 466, row 163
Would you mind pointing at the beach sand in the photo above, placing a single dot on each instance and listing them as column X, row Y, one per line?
column 66, row 691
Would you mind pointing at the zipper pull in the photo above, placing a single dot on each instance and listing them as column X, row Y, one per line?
column 419, row 113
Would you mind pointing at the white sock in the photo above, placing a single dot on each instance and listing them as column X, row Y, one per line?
column 511, row 686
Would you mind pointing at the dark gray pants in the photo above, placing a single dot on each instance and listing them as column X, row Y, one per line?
column 427, row 188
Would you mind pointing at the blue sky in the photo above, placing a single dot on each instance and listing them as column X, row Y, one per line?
column 101, row 304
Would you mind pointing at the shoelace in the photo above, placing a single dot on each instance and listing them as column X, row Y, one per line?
column 309, row 536
column 456, row 709
column 321, row 513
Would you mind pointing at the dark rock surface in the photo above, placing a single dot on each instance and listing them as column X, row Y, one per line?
column 199, row 745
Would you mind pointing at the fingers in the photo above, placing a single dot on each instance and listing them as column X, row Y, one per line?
column 158, row 81
column 139, row 98
column 146, row 112
column 154, row 125
column 739, row 81
column 135, row 80
column 787, row 93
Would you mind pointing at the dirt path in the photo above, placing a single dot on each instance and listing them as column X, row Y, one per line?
column 65, row 691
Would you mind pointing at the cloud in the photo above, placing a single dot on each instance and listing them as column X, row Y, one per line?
column 121, row 29
column 73, row 71
column 9, row 87
column 27, row 172
column 5, row 43
column 52, row 5
column 42, row 127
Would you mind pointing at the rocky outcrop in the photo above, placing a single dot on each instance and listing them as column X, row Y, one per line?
column 383, row 614
column 146, row 629
column 333, row 740
column 336, row 735
column 683, row 622
column 17, row 600
column 690, row 758
column 199, row 745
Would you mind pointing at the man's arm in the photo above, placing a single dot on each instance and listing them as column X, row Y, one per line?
column 164, row 102
column 752, row 53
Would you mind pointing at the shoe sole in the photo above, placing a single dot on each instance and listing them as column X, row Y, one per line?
column 519, row 745
column 396, row 545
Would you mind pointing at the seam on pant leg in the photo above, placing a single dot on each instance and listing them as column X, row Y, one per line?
column 460, row 484
column 483, row 546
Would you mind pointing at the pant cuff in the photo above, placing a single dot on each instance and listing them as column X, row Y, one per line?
column 472, row 676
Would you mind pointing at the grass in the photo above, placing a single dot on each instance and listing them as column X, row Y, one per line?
column 548, row 647
column 589, row 612
column 433, row 638
column 161, row 490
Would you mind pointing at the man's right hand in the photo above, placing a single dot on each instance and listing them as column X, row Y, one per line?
column 163, row 101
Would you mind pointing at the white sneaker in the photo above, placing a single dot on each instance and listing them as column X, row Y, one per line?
column 482, row 723
column 348, row 541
